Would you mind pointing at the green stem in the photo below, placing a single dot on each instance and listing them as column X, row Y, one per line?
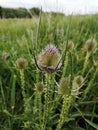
column 23, row 87
column 39, row 94
column 85, row 62
column 64, row 112
column 47, row 101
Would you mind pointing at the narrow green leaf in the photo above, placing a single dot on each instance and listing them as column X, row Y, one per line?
column 2, row 94
column 92, row 124
column 13, row 91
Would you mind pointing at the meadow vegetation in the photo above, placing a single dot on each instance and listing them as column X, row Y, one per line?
column 49, row 73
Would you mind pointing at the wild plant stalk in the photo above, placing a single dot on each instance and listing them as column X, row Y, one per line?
column 22, row 64
column 64, row 111
column 85, row 62
column 40, row 109
column 47, row 101
column 49, row 61
column 23, row 87
column 66, row 90
column 53, row 93
column 38, row 104
column 50, row 83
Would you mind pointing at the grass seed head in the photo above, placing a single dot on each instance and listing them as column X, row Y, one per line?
column 21, row 63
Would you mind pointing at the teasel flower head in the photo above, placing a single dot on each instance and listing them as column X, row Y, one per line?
column 3, row 60
column 4, row 55
column 64, row 86
column 79, row 80
column 77, row 84
column 90, row 45
column 70, row 45
column 21, row 63
column 27, row 124
column 39, row 86
column 49, row 58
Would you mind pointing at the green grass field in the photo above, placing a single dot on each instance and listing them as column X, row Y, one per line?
column 38, row 97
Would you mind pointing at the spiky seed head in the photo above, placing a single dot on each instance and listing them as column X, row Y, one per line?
column 21, row 63
column 27, row 124
column 39, row 86
column 49, row 58
column 70, row 45
column 90, row 45
column 64, row 86
column 4, row 55
column 77, row 84
column 79, row 79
